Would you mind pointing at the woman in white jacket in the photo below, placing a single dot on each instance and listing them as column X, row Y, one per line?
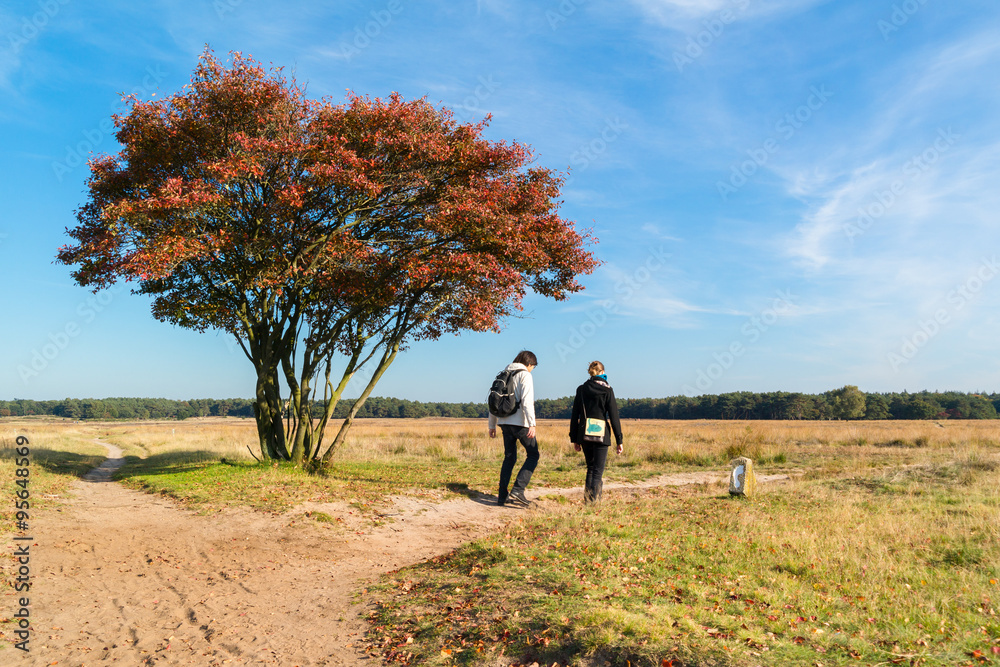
column 518, row 427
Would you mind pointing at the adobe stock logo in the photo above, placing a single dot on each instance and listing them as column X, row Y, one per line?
column 32, row 26
column 365, row 33
column 76, row 154
column 916, row 166
column 625, row 289
column 958, row 298
column 786, row 128
column 590, row 152
column 86, row 311
column 223, row 7
column 901, row 14
column 713, row 29
column 470, row 106
column 755, row 327
column 566, row 9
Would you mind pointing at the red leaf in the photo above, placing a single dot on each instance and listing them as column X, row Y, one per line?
column 395, row 224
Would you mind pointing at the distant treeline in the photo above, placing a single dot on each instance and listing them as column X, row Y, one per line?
column 845, row 403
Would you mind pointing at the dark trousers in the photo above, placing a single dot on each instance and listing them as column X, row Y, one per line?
column 596, row 456
column 511, row 436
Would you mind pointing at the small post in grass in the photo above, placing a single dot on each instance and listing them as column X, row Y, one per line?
column 742, row 481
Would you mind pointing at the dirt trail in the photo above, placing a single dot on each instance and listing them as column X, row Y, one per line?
column 122, row 576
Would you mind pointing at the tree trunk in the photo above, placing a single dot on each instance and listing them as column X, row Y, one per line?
column 302, row 444
column 383, row 365
column 267, row 411
column 332, row 397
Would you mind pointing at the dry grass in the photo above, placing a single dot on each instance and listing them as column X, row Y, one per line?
column 198, row 438
column 837, row 445
column 434, row 452
column 59, row 452
column 887, row 552
column 884, row 545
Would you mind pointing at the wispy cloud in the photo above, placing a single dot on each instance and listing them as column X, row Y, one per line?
column 679, row 14
column 11, row 46
column 654, row 232
column 907, row 174
column 9, row 64
column 501, row 8
column 666, row 8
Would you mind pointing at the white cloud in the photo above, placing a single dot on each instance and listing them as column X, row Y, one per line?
column 9, row 64
column 823, row 228
column 638, row 292
column 654, row 231
column 11, row 44
column 914, row 173
column 690, row 7
column 901, row 210
column 502, row 8
column 679, row 14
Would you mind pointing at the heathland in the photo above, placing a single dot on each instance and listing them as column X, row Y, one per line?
column 871, row 543
column 845, row 403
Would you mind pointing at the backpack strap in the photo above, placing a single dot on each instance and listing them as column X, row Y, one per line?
column 517, row 401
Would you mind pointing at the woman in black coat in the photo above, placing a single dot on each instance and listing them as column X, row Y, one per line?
column 595, row 400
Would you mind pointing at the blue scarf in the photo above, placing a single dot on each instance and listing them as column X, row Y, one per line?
column 602, row 376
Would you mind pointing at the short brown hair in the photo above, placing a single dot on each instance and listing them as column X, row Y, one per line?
column 527, row 358
column 595, row 368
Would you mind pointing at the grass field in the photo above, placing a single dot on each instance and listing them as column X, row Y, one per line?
column 58, row 453
column 884, row 547
column 884, row 567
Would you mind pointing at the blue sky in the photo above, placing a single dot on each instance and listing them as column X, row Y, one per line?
column 789, row 194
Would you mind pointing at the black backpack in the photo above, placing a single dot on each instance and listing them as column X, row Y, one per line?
column 502, row 402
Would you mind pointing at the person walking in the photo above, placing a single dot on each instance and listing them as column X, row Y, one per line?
column 518, row 427
column 593, row 409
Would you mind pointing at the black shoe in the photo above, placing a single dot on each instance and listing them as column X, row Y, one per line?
column 517, row 496
column 502, row 500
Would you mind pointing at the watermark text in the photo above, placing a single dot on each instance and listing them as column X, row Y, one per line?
column 751, row 331
column 786, row 128
column 957, row 299
column 22, row 543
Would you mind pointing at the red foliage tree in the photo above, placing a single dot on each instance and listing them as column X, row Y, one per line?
column 323, row 237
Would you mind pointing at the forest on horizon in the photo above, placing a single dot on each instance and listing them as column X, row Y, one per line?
column 845, row 403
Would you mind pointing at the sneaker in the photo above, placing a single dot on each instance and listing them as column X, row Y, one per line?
column 518, row 497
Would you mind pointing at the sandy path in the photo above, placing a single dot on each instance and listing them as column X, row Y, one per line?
column 122, row 576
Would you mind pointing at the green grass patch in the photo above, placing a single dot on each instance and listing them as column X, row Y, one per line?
column 919, row 441
column 53, row 466
column 201, row 480
column 204, row 482
column 685, row 458
column 820, row 573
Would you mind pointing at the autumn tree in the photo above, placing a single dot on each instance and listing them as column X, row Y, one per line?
column 324, row 237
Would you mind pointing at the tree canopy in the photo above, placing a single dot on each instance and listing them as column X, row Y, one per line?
column 323, row 236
